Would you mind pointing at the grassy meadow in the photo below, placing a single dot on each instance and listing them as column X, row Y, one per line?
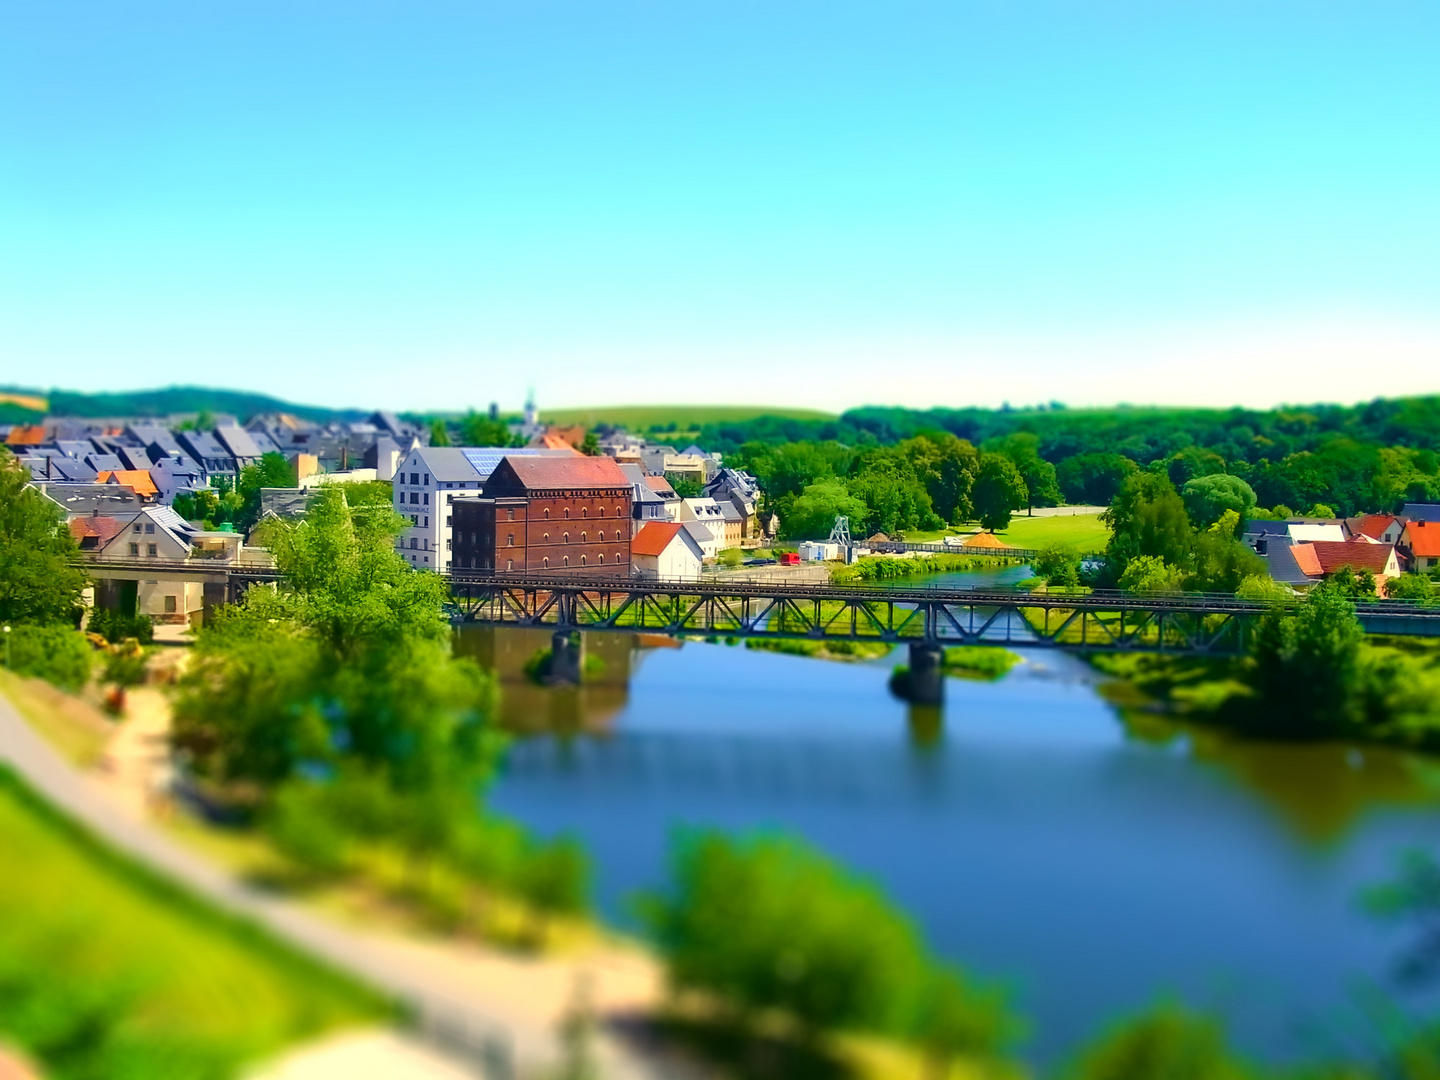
column 1082, row 533
column 107, row 971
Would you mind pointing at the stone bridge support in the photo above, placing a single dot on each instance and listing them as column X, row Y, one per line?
column 567, row 657
column 926, row 682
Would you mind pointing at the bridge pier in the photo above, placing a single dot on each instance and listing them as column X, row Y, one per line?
column 923, row 683
column 567, row 657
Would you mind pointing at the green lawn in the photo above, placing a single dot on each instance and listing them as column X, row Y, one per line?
column 686, row 418
column 109, row 972
column 1083, row 533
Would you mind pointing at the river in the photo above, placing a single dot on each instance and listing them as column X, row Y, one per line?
column 1035, row 836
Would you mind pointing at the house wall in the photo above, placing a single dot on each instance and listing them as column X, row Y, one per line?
column 427, row 543
column 567, row 530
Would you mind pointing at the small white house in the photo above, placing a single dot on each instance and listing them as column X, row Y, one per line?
column 816, row 551
column 665, row 550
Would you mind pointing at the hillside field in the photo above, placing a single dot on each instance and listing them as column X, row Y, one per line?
column 684, row 417
column 107, row 971
column 1083, row 532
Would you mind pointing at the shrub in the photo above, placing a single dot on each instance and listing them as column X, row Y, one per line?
column 125, row 664
column 1168, row 1044
column 56, row 654
column 1057, row 566
column 115, row 626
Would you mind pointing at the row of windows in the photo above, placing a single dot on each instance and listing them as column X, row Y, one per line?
column 545, row 539
column 584, row 512
column 150, row 528
column 150, row 550
column 545, row 563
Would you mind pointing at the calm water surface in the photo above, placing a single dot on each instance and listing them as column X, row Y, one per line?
column 1033, row 836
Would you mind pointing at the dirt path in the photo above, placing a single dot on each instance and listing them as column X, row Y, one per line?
column 491, row 998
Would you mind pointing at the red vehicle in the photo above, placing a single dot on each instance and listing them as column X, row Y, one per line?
column 789, row 558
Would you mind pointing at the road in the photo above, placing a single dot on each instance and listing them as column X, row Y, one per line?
column 473, row 1019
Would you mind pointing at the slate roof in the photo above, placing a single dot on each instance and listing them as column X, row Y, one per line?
column 698, row 531
column 109, row 463
column 238, row 441
column 655, row 537
column 450, row 464
column 641, row 492
column 1426, row 512
column 150, row 435
column 87, row 498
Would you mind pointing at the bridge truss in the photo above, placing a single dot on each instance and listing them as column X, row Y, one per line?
column 1116, row 622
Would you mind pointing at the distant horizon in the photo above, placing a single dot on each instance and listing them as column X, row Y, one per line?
column 1209, row 204
column 757, row 407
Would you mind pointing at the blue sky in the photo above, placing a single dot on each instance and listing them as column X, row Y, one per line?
column 823, row 204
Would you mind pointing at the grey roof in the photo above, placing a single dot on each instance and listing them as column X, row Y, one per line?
column 285, row 502
column 485, row 459
column 729, row 511
column 643, row 492
column 166, row 516
column 204, row 448
column 134, row 457
column 76, row 448
column 1284, row 568
column 238, row 441
column 263, row 442
column 698, row 530
column 87, row 498
column 149, row 435
column 448, row 464
column 110, row 462
column 1427, row 512
column 694, row 450
column 58, row 467
column 388, row 421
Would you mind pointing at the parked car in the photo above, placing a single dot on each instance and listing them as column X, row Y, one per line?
column 759, row 562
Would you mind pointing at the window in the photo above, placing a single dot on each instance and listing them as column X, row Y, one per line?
column 427, row 498
column 414, row 520
column 565, row 538
column 134, row 549
column 415, row 478
column 547, row 513
column 449, row 520
column 582, row 560
column 415, row 497
column 509, row 564
column 584, row 511
column 510, row 540
column 427, row 479
column 567, row 513
column 414, row 545
column 449, row 500
column 169, row 605
column 565, row 560
column 150, row 550
column 602, row 511
column 427, row 523
column 601, row 536
column 149, row 528
column 449, row 545
column 602, row 558
column 545, row 563
column 509, row 515
column 137, row 526
column 547, row 538
column 584, row 538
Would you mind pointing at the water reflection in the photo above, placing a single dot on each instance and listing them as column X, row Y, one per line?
column 1031, row 833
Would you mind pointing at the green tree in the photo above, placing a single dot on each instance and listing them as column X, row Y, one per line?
column 1305, row 668
column 39, row 580
column 1221, row 563
column 1168, row 1044
column 999, row 491
column 271, row 471
column 1191, row 463
column 1410, row 587
column 812, row 515
column 687, row 487
column 1023, row 450
column 1147, row 517
column 590, row 445
column 439, row 432
column 1093, row 479
column 1354, row 584
column 767, row 923
column 1207, row 498
column 1058, row 566
column 476, row 429
column 1152, row 574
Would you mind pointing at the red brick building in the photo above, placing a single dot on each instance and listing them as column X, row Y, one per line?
column 568, row 514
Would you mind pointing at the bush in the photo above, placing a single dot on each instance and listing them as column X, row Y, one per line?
column 125, row 664
column 115, row 626
column 767, row 923
column 1410, row 587
column 1168, row 1044
column 56, row 654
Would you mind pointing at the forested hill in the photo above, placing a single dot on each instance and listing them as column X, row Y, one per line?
column 174, row 399
column 1141, row 434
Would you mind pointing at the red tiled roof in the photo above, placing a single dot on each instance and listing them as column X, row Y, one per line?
column 101, row 529
column 659, row 484
column 1374, row 525
column 1424, row 539
column 1334, row 554
column 567, row 472
column 655, row 537
column 137, row 480
column 1307, row 560
column 26, row 435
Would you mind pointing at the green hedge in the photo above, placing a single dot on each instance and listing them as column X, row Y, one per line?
column 57, row 654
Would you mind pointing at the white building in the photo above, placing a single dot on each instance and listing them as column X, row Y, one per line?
column 665, row 550
column 426, row 483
